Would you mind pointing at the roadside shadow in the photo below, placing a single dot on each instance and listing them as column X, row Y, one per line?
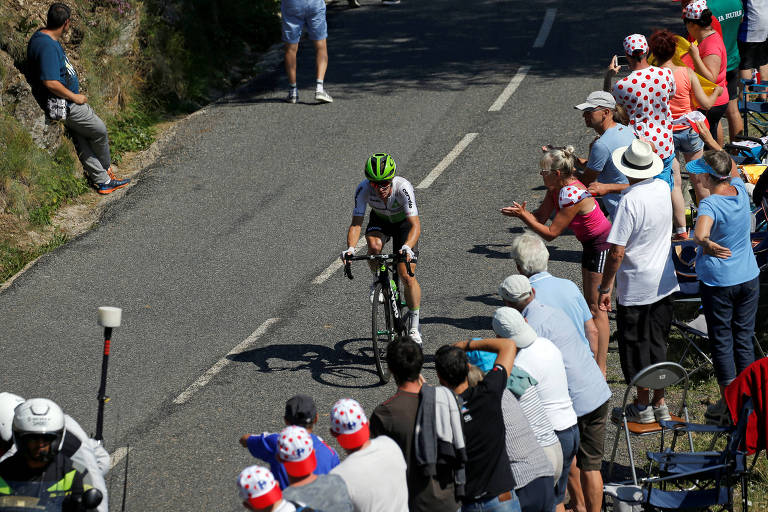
column 565, row 255
column 489, row 299
column 472, row 323
column 349, row 364
column 489, row 251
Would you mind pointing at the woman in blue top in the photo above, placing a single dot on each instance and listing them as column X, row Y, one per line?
column 726, row 269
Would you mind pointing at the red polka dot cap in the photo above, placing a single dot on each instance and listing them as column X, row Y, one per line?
column 635, row 42
column 295, row 449
column 258, row 487
column 349, row 424
column 694, row 10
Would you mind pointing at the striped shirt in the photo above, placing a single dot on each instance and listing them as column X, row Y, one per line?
column 530, row 403
column 526, row 458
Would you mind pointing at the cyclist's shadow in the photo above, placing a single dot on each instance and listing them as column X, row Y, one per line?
column 348, row 364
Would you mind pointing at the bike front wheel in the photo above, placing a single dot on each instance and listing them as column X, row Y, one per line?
column 382, row 331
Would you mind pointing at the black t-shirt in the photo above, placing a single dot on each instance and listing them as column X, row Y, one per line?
column 396, row 418
column 488, row 472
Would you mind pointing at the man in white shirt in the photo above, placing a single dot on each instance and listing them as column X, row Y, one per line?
column 374, row 469
column 639, row 260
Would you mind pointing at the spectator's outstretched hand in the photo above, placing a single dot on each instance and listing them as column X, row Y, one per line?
column 516, row 210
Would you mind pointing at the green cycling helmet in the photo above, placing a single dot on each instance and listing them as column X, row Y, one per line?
column 380, row 167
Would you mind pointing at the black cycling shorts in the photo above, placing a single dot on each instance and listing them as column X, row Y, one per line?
column 593, row 257
column 397, row 231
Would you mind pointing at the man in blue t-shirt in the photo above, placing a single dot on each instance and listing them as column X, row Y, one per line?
column 300, row 410
column 57, row 89
column 600, row 175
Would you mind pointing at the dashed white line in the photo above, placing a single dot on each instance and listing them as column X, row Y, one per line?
column 336, row 265
column 224, row 361
column 117, row 456
column 510, row 89
column 448, row 160
column 546, row 26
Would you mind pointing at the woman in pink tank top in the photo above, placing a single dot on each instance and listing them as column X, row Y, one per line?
column 663, row 44
column 576, row 209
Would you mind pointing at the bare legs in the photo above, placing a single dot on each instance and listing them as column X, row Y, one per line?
column 585, row 489
column 321, row 60
column 290, row 61
column 590, row 281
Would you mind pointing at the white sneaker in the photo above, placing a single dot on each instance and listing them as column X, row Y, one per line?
column 373, row 290
column 323, row 97
column 390, row 2
column 414, row 335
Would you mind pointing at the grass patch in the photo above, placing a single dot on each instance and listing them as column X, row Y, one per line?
column 13, row 259
column 34, row 183
column 132, row 131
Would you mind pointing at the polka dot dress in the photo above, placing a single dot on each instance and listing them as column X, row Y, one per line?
column 645, row 95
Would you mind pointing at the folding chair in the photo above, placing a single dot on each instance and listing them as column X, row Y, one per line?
column 689, row 325
column 754, row 113
column 701, row 480
column 655, row 376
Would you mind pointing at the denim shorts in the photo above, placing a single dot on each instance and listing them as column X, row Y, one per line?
column 687, row 141
column 298, row 14
column 569, row 442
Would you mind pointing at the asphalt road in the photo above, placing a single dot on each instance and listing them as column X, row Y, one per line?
column 250, row 204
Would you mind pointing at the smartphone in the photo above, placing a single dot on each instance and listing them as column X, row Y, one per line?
column 621, row 59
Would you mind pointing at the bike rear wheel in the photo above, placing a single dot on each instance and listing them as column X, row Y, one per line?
column 382, row 331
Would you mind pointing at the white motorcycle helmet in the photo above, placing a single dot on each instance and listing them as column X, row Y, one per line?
column 39, row 416
column 8, row 403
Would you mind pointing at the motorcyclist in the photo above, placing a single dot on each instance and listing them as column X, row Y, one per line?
column 39, row 476
column 85, row 453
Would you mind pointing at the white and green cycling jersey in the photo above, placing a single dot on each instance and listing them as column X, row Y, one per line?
column 400, row 204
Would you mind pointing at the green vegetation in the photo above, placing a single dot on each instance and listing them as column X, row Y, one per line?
column 13, row 259
column 190, row 47
column 131, row 131
column 32, row 182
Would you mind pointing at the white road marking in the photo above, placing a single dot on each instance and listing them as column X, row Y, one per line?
column 510, row 89
column 336, row 265
column 546, row 26
column 224, row 361
column 118, row 456
column 448, row 160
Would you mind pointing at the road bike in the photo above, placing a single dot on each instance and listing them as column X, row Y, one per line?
column 388, row 309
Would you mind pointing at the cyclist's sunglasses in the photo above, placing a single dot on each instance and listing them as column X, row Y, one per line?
column 380, row 184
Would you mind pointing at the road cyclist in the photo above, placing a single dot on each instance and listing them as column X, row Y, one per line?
column 393, row 215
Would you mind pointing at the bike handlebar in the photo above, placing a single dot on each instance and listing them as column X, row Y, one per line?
column 395, row 257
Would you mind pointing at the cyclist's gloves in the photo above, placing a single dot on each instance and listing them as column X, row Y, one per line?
column 407, row 250
column 350, row 251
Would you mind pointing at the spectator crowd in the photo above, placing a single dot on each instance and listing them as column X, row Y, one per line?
column 518, row 422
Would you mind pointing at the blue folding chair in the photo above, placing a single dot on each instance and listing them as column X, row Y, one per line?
column 702, row 480
column 754, row 113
